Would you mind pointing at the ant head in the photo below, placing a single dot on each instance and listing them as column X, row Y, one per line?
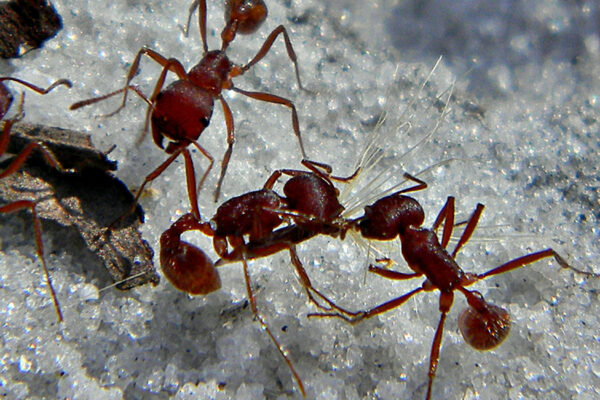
column 6, row 99
column 389, row 216
column 249, row 14
column 485, row 327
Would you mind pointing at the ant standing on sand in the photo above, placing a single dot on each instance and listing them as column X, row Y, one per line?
column 483, row 325
column 6, row 100
column 255, row 216
column 182, row 110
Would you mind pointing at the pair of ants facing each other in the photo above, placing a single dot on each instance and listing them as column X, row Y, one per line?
column 261, row 223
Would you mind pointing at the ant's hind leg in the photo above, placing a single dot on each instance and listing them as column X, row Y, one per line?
column 19, row 205
column 446, row 300
column 271, row 98
column 530, row 259
column 264, row 325
column 310, row 289
column 230, row 140
column 267, row 46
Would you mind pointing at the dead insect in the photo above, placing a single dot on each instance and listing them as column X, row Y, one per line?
column 82, row 194
column 6, row 100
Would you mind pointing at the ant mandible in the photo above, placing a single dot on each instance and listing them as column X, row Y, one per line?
column 182, row 110
column 483, row 325
column 6, row 100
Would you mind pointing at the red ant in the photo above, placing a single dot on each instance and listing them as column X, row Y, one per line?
column 6, row 100
column 483, row 325
column 183, row 110
column 255, row 215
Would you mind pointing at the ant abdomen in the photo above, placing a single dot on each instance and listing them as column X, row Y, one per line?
column 387, row 217
column 181, row 112
column 486, row 328
column 187, row 267
column 249, row 15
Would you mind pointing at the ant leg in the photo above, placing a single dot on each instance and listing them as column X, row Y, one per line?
column 22, row 157
column 530, row 259
column 42, row 91
column 272, row 179
column 201, row 4
column 18, row 205
column 446, row 300
column 201, row 21
column 421, row 184
column 211, row 161
column 290, row 172
column 356, row 317
column 190, row 177
column 152, row 176
column 264, row 325
column 5, row 136
column 271, row 98
column 390, row 274
column 267, row 46
column 447, row 215
column 318, row 167
column 173, row 65
column 471, row 225
column 87, row 102
column 324, row 171
column 230, row 140
column 307, row 284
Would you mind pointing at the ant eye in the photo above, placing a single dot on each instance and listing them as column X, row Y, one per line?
column 205, row 121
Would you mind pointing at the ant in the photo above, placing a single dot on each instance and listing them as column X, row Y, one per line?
column 255, row 215
column 6, row 100
column 483, row 325
column 182, row 110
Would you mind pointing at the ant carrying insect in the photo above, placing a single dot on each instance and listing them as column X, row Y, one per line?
column 6, row 100
column 182, row 110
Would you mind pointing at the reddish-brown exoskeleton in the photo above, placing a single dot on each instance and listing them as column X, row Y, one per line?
column 250, row 227
column 6, row 100
column 182, row 110
column 247, row 225
column 483, row 325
